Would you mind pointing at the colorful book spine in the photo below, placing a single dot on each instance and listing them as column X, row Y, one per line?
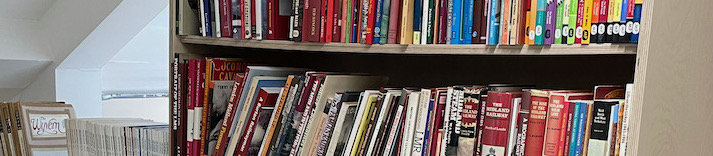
column 356, row 21
column 629, row 21
column 347, row 21
column 622, row 20
column 540, row 21
column 537, row 123
column 498, row 117
column 443, row 24
column 565, row 21
column 467, row 20
column 601, row 130
column 493, row 22
column 516, row 22
column 436, row 21
column 336, row 21
column 586, row 21
column 556, row 115
column 226, row 10
column 584, row 114
column 566, row 135
column 550, row 20
column 216, row 18
column 377, row 21
column 602, row 21
column 580, row 21
column 259, row 11
column 371, row 18
column 594, row 32
column 505, row 17
column 574, row 128
column 394, row 20
column 637, row 21
column 328, row 24
column 478, row 19
column 559, row 22
column 573, row 4
column 406, row 30
column 384, row 25
column 456, row 19
column 611, row 14
column 432, row 22
column 417, row 21
column 531, row 20
column 206, row 17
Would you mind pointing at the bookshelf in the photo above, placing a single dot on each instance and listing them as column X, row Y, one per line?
column 671, row 67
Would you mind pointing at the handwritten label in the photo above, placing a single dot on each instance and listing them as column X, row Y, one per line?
column 48, row 125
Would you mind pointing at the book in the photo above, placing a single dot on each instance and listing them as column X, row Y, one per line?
column 228, row 115
column 638, row 5
column 479, row 19
column 571, row 142
column 586, row 21
column 247, row 18
column 498, row 122
column 384, row 112
column 329, row 23
column 625, row 119
column 296, row 20
column 443, row 22
column 215, row 97
column 493, row 22
column 540, row 19
column 283, row 142
column 278, row 15
column 40, row 123
column 392, row 144
column 394, row 22
column 236, row 20
column 522, row 123
column 550, row 19
column 556, row 126
column 377, row 21
column 306, row 105
column 417, row 20
column 505, row 18
column 254, row 130
column 580, row 22
column 516, row 22
column 275, row 125
column 594, row 32
column 432, row 22
column 566, row 136
column 452, row 120
column 360, row 124
column 601, row 127
column 573, row 6
column 537, row 121
column 368, row 8
column 226, row 11
column 205, row 10
column 471, row 107
column 312, row 20
column 583, row 123
column 611, row 15
column 407, row 24
column 531, row 22
column 440, row 95
column 215, row 10
column 466, row 22
column 343, row 124
column 385, row 19
column 602, row 21
column 421, row 123
column 409, row 123
column 559, row 22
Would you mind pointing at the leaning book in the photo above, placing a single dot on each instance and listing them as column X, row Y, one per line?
column 45, row 125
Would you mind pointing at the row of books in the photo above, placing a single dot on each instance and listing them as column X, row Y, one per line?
column 492, row 22
column 117, row 136
column 226, row 107
column 27, row 127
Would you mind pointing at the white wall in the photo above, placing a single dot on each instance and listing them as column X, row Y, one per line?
column 148, row 108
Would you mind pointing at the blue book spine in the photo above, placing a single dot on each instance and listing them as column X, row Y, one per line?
column 575, row 127
column 377, row 21
column 637, row 23
column 417, row 14
column 428, row 131
column 580, row 128
column 457, row 21
column 206, row 17
column 467, row 22
column 494, row 19
column 540, row 22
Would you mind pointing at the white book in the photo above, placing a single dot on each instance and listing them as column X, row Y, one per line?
column 419, row 134
column 424, row 22
column 216, row 17
column 380, row 120
column 360, row 114
column 410, row 123
column 446, row 118
column 629, row 100
column 392, row 135
column 202, row 17
column 512, row 136
column 258, row 17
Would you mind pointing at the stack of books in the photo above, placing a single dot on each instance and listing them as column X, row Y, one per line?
column 117, row 136
column 27, row 127
column 492, row 22
column 227, row 107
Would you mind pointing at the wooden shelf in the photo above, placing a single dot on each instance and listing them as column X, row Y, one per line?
column 467, row 49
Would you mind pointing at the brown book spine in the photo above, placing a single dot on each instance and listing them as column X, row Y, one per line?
column 588, row 127
column 394, row 21
column 206, row 107
column 18, row 133
column 311, row 20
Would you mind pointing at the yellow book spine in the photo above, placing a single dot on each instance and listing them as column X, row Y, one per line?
column 363, row 124
column 406, row 35
column 610, row 15
column 587, row 21
column 530, row 34
column 617, row 11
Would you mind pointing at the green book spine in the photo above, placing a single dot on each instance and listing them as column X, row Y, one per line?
column 572, row 20
column 384, row 21
column 429, row 26
column 348, row 22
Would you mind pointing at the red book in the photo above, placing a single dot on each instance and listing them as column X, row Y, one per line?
column 370, row 22
column 523, row 20
column 497, row 121
column 229, row 114
column 394, row 22
column 323, row 21
column 342, row 22
column 444, row 22
column 329, row 20
column 253, row 27
column 277, row 25
column 609, row 92
column 536, row 124
column 311, row 21
column 438, row 121
column 580, row 18
column 266, row 98
column 226, row 18
column 336, row 21
column 199, row 96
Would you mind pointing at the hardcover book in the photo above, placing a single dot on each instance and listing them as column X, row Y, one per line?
column 229, row 116
column 540, row 19
column 505, row 17
column 573, row 6
column 550, row 19
column 345, row 121
column 493, row 22
column 471, row 106
column 215, row 99
column 601, row 127
column 275, row 124
column 258, row 121
column 497, row 122
column 537, row 121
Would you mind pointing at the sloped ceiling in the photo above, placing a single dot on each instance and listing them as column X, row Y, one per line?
column 24, row 9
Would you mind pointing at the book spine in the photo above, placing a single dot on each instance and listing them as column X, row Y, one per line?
column 296, row 32
column 629, row 21
column 505, row 17
column 602, row 21
column 587, row 21
column 226, row 10
column 512, row 134
column 437, row 123
column 574, row 128
column 417, row 20
column 467, row 22
column 443, row 22
column 584, row 115
column 337, row 21
column 216, row 17
column 550, row 22
column 625, row 120
column 364, row 20
column 282, row 20
column 610, row 20
column 204, row 100
column 566, row 136
column 594, row 32
column 271, row 17
column 431, row 22
column 483, row 96
column 522, row 123
column 343, row 11
column 247, row 18
column 580, row 21
column 421, row 122
column 573, row 5
column 495, row 139
column 494, row 23
column 328, row 23
column 555, row 116
column 394, row 19
column 531, row 20
column 246, row 138
column 515, row 22
column 622, row 20
column 305, row 116
column 396, row 124
column 436, row 20
column 377, row 21
column 449, row 18
column 370, row 21
column 613, row 127
column 536, row 126
column 540, row 21
column 565, row 21
column 275, row 122
column 254, row 18
column 423, row 38
column 406, row 30
column 600, row 132
column 469, row 122
column 312, row 14
column 635, row 29
column 384, row 25
column 356, row 21
column 446, row 121
column 229, row 115
column 206, row 10
column 478, row 7
column 559, row 22
column 176, row 124
column 347, row 21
